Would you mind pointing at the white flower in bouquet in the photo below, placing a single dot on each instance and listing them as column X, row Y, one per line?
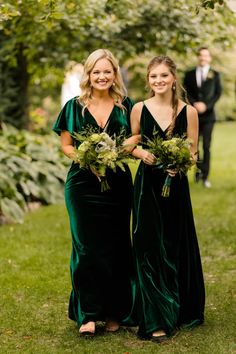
column 99, row 151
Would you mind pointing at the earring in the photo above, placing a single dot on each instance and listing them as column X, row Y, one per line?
column 174, row 86
column 113, row 84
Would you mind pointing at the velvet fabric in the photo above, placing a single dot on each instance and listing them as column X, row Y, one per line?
column 101, row 260
column 170, row 286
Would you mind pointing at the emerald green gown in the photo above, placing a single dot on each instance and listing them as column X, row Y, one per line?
column 170, row 286
column 101, row 260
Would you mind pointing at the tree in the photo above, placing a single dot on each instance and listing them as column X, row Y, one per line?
column 38, row 38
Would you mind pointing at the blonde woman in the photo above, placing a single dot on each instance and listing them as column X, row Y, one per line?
column 169, row 272
column 101, row 260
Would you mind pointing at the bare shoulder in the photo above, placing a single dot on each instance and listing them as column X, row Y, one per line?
column 136, row 111
column 191, row 110
column 138, row 107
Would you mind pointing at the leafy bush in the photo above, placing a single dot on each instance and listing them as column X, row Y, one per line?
column 32, row 169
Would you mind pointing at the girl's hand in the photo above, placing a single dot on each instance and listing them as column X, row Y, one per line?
column 147, row 157
column 171, row 172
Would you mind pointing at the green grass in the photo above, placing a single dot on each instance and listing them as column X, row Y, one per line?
column 35, row 280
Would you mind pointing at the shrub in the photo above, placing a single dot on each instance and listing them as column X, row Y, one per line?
column 32, row 169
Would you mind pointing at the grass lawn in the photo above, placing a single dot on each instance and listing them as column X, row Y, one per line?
column 35, row 280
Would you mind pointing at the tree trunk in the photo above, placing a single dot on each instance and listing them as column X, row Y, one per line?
column 14, row 90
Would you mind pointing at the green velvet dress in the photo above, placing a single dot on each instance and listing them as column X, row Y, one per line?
column 101, row 260
column 170, row 286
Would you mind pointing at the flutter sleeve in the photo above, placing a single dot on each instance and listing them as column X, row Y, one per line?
column 128, row 103
column 68, row 118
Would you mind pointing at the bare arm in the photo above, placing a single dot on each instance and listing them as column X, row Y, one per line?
column 142, row 154
column 67, row 144
column 131, row 143
column 192, row 130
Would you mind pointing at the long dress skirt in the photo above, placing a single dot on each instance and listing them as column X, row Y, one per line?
column 101, row 263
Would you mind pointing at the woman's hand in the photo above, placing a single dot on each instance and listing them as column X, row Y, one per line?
column 96, row 173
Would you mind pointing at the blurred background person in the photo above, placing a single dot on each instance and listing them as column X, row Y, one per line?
column 71, row 85
column 204, row 89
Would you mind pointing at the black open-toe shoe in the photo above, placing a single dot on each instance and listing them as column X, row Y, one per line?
column 159, row 339
column 159, row 336
column 87, row 334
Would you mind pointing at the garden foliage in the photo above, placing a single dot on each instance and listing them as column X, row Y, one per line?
column 32, row 169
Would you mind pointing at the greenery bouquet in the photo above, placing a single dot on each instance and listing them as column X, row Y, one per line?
column 99, row 152
column 173, row 154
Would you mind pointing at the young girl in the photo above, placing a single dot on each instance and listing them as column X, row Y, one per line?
column 169, row 272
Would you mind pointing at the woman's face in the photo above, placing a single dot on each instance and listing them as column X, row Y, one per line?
column 102, row 75
column 161, row 79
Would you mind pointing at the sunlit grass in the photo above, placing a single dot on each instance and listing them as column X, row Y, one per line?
column 35, row 280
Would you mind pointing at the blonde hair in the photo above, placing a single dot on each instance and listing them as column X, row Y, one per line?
column 117, row 91
column 178, row 91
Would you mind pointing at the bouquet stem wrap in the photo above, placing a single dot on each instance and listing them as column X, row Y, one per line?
column 104, row 184
column 166, row 187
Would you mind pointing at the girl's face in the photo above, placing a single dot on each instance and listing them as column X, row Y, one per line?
column 161, row 79
column 102, row 75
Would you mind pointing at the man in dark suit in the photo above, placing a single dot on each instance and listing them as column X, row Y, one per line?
column 203, row 88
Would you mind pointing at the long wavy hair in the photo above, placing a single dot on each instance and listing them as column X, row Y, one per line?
column 117, row 91
column 178, row 91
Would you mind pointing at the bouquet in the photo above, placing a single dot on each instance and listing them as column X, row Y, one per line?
column 99, row 152
column 173, row 153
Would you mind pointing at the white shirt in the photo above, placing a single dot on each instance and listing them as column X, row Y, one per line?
column 201, row 73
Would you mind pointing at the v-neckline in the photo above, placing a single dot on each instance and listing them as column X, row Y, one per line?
column 163, row 130
column 107, row 121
